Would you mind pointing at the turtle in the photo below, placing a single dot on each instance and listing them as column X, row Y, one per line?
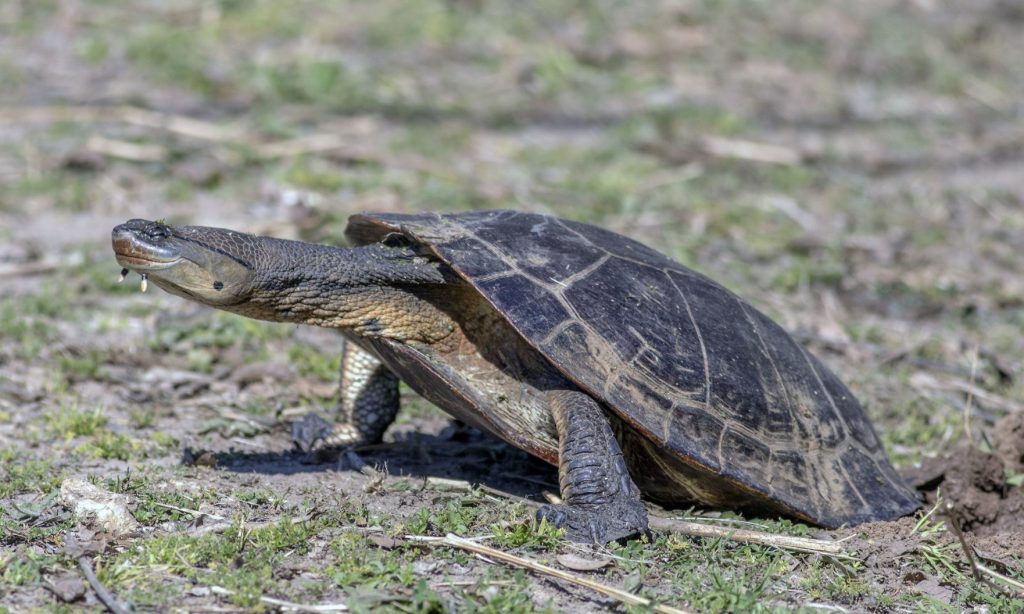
column 634, row 375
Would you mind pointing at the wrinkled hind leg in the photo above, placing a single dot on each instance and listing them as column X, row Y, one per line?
column 602, row 503
column 367, row 404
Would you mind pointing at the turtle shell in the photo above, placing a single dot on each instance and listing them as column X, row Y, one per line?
column 704, row 378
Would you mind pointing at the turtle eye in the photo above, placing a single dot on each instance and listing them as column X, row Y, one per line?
column 158, row 231
column 396, row 239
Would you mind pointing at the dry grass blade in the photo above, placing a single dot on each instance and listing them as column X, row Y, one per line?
column 788, row 542
column 1004, row 584
column 995, row 575
column 498, row 555
column 311, row 144
column 126, row 150
column 185, row 510
column 289, row 606
column 927, row 383
column 223, row 524
column 135, row 116
column 750, row 151
column 693, row 529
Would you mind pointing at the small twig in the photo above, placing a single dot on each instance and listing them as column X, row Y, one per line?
column 551, row 497
column 731, row 521
column 788, row 542
column 288, row 605
column 998, row 576
column 819, row 606
column 436, row 483
column 507, row 495
column 185, row 510
column 101, row 591
column 185, row 126
column 259, row 425
column 136, row 152
column 252, row 444
column 460, row 583
column 978, row 570
column 492, row 553
column 926, row 382
column 246, row 527
column 791, row 209
column 696, row 529
column 750, row 151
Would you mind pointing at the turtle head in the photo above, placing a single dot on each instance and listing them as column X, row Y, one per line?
column 370, row 289
column 208, row 265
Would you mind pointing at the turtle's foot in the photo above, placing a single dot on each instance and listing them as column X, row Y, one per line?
column 597, row 524
column 312, row 434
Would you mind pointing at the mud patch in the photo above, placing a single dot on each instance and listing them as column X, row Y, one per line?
column 977, row 484
column 1008, row 441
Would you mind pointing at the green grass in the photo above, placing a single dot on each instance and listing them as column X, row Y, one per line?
column 324, row 366
column 25, row 569
column 72, row 421
column 553, row 106
column 239, row 560
column 26, row 475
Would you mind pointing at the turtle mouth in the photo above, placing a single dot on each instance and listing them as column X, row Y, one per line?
column 144, row 246
column 136, row 262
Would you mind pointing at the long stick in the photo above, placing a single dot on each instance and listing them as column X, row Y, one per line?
column 693, row 529
column 697, row 529
column 288, row 605
column 492, row 553
column 101, row 591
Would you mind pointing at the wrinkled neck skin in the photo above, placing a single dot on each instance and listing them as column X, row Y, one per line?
column 371, row 291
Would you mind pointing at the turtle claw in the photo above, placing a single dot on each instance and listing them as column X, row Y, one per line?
column 597, row 525
column 309, row 431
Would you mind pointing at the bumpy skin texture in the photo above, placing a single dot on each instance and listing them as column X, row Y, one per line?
column 368, row 402
column 602, row 503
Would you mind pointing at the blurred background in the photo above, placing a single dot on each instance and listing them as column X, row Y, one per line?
column 854, row 169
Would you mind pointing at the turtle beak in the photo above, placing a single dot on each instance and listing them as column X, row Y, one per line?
column 142, row 246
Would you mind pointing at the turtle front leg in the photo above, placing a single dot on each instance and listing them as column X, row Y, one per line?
column 367, row 404
column 601, row 502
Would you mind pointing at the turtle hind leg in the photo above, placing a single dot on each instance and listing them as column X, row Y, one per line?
column 367, row 404
column 601, row 502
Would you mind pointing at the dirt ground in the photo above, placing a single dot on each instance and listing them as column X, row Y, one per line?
column 857, row 172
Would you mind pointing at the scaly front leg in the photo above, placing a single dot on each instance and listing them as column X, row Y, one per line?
column 367, row 404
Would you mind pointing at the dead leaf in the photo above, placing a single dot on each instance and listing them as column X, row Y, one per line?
column 576, row 562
